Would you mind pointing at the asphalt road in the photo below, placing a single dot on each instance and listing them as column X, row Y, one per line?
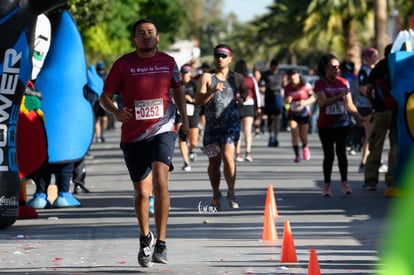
column 101, row 237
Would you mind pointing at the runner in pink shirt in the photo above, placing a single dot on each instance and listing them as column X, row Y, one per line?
column 299, row 95
column 336, row 105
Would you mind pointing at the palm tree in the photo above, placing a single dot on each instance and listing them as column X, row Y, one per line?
column 382, row 37
column 339, row 23
column 278, row 33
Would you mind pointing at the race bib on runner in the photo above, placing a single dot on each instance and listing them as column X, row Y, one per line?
column 335, row 109
column 149, row 109
column 295, row 106
column 190, row 109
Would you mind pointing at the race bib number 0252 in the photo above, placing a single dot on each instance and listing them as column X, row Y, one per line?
column 149, row 109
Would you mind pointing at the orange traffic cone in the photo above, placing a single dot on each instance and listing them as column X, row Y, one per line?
column 269, row 228
column 288, row 253
column 313, row 266
column 270, row 198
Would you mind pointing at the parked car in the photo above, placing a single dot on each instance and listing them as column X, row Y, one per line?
column 304, row 70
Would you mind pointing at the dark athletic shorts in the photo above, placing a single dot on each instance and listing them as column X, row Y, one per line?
column 247, row 110
column 140, row 155
column 212, row 142
column 192, row 120
column 365, row 111
column 299, row 119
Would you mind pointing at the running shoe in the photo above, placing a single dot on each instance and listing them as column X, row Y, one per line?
column 297, row 159
column 248, row 158
column 193, row 156
column 239, row 158
column 160, row 254
column 352, row 152
column 306, row 153
column 146, row 248
column 383, row 168
column 151, row 205
column 232, row 201
column 327, row 190
column 346, row 189
column 367, row 187
column 216, row 202
column 186, row 167
column 273, row 142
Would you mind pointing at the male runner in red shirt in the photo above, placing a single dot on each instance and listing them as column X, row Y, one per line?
column 143, row 79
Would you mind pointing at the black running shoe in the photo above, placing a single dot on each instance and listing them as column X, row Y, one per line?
column 232, row 201
column 160, row 255
column 216, row 201
column 146, row 248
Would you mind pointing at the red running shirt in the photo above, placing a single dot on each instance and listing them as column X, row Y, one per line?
column 335, row 114
column 298, row 94
column 144, row 85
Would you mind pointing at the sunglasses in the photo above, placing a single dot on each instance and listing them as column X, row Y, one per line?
column 220, row 55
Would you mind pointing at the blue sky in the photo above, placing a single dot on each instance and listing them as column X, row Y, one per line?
column 246, row 9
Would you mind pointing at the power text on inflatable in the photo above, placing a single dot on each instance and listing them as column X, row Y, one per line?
column 8, row 119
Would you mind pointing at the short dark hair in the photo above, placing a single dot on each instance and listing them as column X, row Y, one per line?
column 274, row 62
column 140, row 22
column 347, row 66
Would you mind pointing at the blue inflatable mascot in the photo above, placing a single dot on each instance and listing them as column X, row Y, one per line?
column 69, row 91
column 17, row 22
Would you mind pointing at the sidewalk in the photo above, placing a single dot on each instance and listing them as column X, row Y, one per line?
column 101, row 237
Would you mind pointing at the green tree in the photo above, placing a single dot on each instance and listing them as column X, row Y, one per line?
column 191, row 23
column 339, row 23
column 294, row 31
column 285, row 25
column 213, row 27
column 167, row 16
column 405, row 11
column 105, row 25
column 278, row 33
column 382, row 36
